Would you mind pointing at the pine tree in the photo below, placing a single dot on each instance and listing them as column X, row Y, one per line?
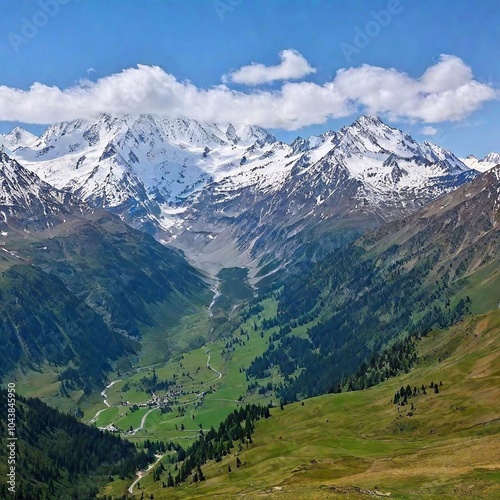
column 200, row 474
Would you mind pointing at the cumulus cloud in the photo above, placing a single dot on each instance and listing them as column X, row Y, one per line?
column 293, row 66
column 148, row 89
column 429, row 130
column 446, row 91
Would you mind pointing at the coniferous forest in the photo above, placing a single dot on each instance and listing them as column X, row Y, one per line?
column 60, row 458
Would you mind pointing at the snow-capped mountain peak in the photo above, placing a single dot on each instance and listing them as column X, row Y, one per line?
column 137, row 164
column 484, row 164
column 17, row 138
column 27, row 201
column 492, row 158
column 369, row 150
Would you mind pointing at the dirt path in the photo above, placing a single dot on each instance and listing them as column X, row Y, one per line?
column 140, row 474
column 230, row 400
column 219, row 374
column 143, row 421
column 96, row 416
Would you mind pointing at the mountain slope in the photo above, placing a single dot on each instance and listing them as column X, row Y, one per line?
column 363, row 175
column 78, row 285
column 125, row 275
column 360, row 444
column 28, row 202
column 423, row 272
column 43, row 322
column 232, row 194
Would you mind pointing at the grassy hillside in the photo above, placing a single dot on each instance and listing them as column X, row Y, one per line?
column 350, row 445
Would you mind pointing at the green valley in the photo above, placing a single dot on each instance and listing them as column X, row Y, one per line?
column 441, row 444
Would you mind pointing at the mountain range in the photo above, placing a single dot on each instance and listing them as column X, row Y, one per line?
column 225, row 195
column 233, row 194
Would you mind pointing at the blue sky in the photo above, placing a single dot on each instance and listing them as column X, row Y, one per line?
column 196, row 42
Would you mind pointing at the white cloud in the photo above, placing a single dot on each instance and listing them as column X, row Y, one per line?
column 293, row 66
column 450, row 73
column 446, row 91
column 90, row 70
column 429, row 130
column 148, row 89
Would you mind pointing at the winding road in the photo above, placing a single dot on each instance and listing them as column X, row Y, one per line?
column 143, row 421
column 93, row 420
column 140, row 474
column 219, row 374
